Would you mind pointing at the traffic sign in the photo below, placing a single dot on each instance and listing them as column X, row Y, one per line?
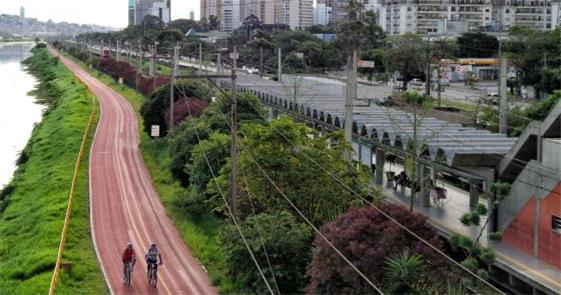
column 365, row 63
column 155, row 131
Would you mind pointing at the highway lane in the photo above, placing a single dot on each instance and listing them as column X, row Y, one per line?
column 126, row 207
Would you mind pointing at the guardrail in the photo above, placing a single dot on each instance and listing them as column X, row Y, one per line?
column 56, row 272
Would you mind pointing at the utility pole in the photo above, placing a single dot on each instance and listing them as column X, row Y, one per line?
column 234, row 134
column 118, row 50
column 152, row 67
column 279, row 70
column 503, row 103
column 261, row 61
column 439, row 73
column 219, row 63
column 350, row 97
column 427, row 91
column 172, row 90
column 90, row 51
column 200, row 58
column 101, row 49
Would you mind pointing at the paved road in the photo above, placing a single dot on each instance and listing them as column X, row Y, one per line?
column 125, row 206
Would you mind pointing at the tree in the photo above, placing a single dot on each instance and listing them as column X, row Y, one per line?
column 407, row 55
column 380, row 59
column 360, row 30
column 294, row 64
column 154, row 109
column 183, row 25
column 282, row 150
column 276, row 237
column 367, row 238
column 477, row 45
column 215, row 118
column 216, row 150
column 213, row 23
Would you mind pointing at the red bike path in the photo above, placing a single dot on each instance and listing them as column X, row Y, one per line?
column 125, row 206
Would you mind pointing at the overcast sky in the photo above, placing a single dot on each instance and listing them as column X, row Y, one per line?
column 101, row 12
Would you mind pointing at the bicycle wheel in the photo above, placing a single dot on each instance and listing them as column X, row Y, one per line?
column 129, row 274
column 154, row 277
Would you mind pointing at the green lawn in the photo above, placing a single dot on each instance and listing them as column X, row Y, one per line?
column 199, row 235
column 31, row 224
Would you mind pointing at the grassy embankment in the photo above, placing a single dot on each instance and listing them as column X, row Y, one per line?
column 199, row 235
column 35, row 201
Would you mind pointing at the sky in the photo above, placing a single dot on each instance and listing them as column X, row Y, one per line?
column 111, row 13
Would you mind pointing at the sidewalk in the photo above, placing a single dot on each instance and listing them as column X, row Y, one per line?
column 446, row 218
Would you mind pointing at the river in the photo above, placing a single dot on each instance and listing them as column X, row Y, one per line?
column 18, row 111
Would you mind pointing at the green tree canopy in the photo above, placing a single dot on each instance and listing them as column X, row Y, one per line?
column 288, row 246
column 284, row 159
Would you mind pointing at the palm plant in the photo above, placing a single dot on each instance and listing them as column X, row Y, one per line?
column 403, row 272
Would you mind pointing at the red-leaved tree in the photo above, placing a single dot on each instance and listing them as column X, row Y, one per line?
column 367, row 239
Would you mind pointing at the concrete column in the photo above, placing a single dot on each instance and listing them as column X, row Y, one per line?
column 473, row 195
column 425, row 190
column 380, row 159
column 537, row 211
column 152, row 68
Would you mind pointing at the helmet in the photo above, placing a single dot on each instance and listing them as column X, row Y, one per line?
column 129, row 245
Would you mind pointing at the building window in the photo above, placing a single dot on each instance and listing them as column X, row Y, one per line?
column 507, row 10
column 556, row 223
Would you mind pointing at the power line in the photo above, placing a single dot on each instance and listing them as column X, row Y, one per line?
column 298, row 210
column 233, row 217
column 353, row 192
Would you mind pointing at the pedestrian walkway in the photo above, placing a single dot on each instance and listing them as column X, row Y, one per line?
column 446, row 219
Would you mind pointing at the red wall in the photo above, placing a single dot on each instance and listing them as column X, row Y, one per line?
column 520, row 232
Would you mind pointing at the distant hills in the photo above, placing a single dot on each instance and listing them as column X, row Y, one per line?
column 31, row 27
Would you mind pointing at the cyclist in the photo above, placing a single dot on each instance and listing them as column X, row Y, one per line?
column 151, row 257
column 128, row 257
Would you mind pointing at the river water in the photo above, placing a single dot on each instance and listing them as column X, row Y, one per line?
column 18, row 111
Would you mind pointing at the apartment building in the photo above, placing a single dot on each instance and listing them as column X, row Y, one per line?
column 322, row 13
column 539, row 14
column 159, row 8
column 459, row 16
column 434, row 16
column 298, row 14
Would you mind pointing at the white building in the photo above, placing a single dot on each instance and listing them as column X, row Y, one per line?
column 159, row 8
column 322, row 14
column 230, row 15
column 298, row 14
column 459, row 16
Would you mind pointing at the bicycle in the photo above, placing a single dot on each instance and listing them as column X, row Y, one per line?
column 128, row 273
column 153, row 275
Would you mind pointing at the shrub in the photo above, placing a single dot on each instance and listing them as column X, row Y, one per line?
column 287, row 245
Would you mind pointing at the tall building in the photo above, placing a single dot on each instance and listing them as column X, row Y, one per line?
column 22, row 11
column 230, row 15
column 322, row 13
column 211, row 8
column 191, row 15
column 159, row 8
column 542, row 15
column 298, row 14
column 460, row 16
column 132, row 9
